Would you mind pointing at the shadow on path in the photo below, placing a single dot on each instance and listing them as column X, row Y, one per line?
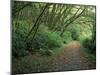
column 72, row 58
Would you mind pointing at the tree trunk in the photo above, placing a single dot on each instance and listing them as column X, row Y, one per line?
column 37, row 20
column 73, row 19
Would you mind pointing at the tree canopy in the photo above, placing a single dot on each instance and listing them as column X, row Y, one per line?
column 35, row 23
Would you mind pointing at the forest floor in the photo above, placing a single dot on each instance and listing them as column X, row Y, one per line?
column 71, row 58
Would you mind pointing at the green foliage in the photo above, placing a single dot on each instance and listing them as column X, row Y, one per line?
column 65, row 19
column 74, row 29
column 18, row 44
column 45, row 52
column 67, row 37
column 29, row 63
column 75, row 35
column 43, row 31
column 88, row 54
column 45, row 41
column 89, row 44
column 53, row 39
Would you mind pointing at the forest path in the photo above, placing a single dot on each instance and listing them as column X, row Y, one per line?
column 72, row 58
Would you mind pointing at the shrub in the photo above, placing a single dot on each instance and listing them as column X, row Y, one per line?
column 75, row 35
column 66, row 37
column 18, row 44
column 45, row 41
column 53, row 39
column 91, row 45
column 45, row 52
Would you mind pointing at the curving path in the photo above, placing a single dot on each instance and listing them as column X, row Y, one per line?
column 72, row 58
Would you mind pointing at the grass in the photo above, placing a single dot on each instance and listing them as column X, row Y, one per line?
column 89, row 55
column 30, row 64
column 35, row 63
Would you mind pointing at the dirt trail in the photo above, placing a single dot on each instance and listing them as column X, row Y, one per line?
column 72, row 59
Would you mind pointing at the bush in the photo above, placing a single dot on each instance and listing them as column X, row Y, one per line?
column 66, row 37
column 45, row 41
column 18, row 44
column 89, row 44
column 75, row 35
column 53, row 39
column 45, row 52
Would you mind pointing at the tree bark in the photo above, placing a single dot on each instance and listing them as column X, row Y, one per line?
column 73, row 19
column 37, row 20
column 17, row 11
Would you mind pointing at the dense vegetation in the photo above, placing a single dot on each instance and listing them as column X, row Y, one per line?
column 43, row 27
